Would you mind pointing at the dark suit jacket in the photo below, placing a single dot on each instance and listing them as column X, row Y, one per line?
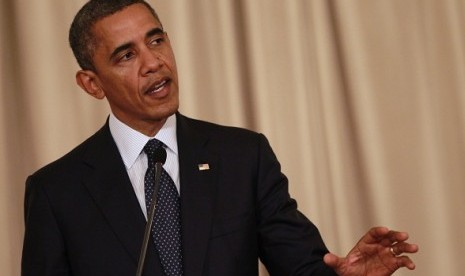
column 83, row 218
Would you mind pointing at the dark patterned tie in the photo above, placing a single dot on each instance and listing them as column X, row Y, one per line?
column 166, row 229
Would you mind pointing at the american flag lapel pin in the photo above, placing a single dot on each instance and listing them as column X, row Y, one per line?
column 204, row 167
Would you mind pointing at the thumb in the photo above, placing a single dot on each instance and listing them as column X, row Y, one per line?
column 331, row 260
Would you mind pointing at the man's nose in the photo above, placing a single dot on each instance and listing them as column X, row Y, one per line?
column 150, row 61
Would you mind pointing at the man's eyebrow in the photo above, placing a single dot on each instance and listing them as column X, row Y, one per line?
column 119, row 49
column 154, row 31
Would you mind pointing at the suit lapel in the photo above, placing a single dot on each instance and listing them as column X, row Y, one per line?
column 109, row 185
column 197, row 193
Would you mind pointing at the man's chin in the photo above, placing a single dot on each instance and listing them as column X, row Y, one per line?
column 167, row 111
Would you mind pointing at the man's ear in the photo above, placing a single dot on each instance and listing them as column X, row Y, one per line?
column 89, row 82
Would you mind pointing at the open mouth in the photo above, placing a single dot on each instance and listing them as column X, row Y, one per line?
column 158, row 87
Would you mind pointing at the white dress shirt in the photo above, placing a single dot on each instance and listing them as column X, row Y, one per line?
column 131, row 143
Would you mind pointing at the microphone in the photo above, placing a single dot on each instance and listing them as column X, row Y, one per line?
column 160, row 158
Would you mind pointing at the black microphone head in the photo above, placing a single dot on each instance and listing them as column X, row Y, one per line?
column 160, row 155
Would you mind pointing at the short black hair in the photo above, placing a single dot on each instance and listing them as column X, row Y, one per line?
column 82, row 39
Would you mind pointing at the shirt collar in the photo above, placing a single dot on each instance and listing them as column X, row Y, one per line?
column 130, row 142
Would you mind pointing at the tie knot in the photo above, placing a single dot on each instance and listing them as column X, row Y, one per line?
column 151, row 146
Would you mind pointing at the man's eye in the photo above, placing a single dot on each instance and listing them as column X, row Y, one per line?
column 127, row 56
column 157, row 41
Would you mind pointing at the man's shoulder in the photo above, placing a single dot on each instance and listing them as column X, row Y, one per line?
column 232, row 141
column 66, row 164
column 215, row 130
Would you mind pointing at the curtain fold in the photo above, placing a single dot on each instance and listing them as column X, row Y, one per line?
column 363, row 102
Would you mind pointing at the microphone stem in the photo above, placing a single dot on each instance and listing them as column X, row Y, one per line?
column 150, row 215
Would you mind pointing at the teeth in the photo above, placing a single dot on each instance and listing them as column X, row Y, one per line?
column 160, row 86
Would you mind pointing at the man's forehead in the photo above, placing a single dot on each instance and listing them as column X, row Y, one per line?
column 127, row 22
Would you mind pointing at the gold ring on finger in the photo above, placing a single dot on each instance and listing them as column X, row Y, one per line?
column 393, row 251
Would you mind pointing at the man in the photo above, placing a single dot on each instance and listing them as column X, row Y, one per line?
column 86, row 212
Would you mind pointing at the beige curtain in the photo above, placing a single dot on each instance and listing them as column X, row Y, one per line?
column 362, row 100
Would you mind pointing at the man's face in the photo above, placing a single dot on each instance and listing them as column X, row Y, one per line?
column 135, row 68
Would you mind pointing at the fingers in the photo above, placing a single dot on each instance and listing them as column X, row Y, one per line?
column 399, row 248
column 403, row 247
column 384, row 236
column 405, row 261
column 395, row 236
column 331, row 260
